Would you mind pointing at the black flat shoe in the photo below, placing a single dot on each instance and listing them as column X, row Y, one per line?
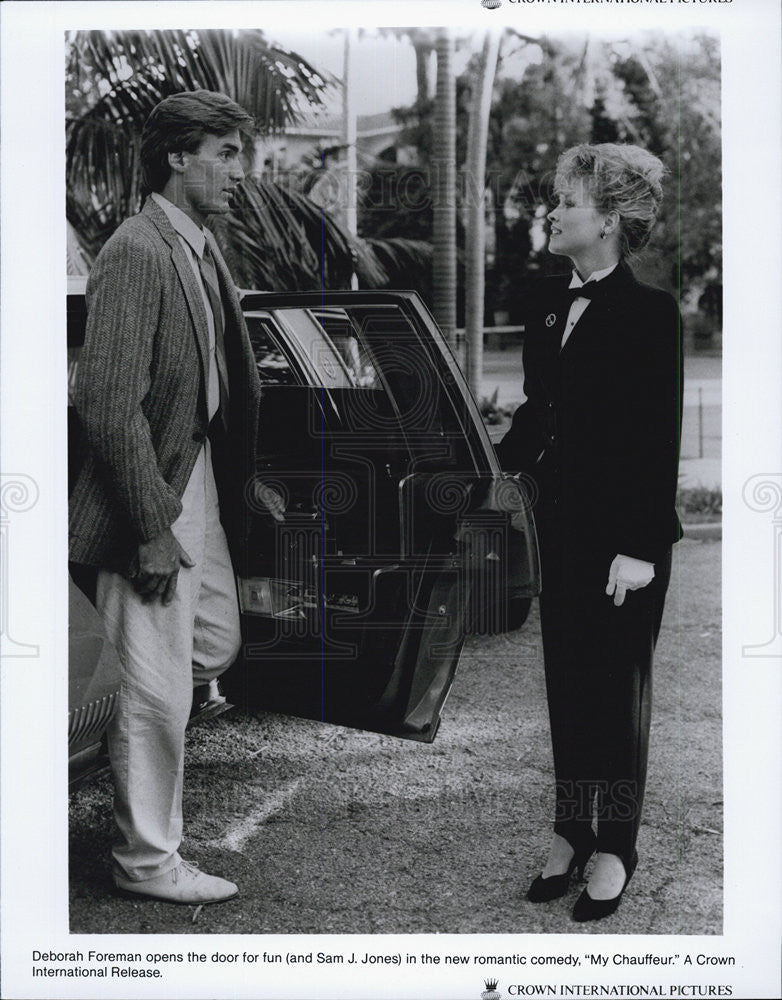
column 587, row 908
column 543, row 890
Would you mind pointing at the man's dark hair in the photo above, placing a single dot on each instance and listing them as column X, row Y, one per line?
column 179, row 124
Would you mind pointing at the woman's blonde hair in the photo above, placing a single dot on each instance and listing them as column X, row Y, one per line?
column 623, row 179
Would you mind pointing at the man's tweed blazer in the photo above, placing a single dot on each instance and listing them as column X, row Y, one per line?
column 141, row 393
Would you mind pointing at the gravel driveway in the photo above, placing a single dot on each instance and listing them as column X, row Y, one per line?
column 331, row 830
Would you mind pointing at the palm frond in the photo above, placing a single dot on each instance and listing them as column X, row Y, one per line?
column 276, row 239
column 78, row 259
column 139, row 68
column 103, row 170
column 121, row 75
column 398, row 255
column 92, row 224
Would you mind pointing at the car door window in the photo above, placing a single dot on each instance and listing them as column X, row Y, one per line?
column 273, row 364
column 389, row 356
column 355, row 355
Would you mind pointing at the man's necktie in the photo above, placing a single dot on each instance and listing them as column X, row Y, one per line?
column 206, row 266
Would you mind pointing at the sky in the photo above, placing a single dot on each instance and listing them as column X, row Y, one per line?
column 384, row 67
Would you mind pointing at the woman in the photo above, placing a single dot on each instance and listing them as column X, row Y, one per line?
column 599, row 432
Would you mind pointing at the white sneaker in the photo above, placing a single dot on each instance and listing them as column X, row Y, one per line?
column 183, row 884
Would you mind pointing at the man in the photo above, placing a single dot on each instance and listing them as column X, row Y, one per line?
column 168, row 397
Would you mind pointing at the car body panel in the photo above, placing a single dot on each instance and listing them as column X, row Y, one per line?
column 93, row 683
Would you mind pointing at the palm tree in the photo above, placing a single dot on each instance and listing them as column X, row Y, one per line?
column 474, row 279
column 444, row 188
column 115, row 79
column 276, row 237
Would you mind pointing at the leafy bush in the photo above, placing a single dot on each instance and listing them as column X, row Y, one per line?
column 700, row 503
column 491, row 412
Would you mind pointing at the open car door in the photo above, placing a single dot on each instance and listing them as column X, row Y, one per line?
column 400, row 533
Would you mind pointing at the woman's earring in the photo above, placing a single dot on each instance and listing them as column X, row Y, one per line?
column 603, row 233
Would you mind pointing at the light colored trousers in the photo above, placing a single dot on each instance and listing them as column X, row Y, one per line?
column 164, row 651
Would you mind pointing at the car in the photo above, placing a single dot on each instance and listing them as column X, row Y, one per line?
column 401, row 535
column 93, row 687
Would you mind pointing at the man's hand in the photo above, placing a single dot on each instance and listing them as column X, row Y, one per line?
column 157, row 567
column 626, row 574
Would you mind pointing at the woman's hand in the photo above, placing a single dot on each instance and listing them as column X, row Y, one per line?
column 626, row 574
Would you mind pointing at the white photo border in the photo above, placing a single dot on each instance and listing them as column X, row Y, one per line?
column 34, row 681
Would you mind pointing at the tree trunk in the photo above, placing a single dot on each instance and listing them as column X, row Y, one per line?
column 475, row 235
column 422, row 54
column 444, row 190
column 349, row 138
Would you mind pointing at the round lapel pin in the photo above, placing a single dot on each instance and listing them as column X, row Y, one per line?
column 551, row 319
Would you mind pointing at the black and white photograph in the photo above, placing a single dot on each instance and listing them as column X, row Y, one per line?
column 407, row 377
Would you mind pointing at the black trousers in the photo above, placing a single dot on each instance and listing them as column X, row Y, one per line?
column 598, row 663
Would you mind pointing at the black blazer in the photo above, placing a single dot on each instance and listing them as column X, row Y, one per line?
column 600, row 430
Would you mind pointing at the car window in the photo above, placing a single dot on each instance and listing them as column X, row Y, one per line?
column 274, row 367
column 300, row 332
column 354, row 353
column 388, row 353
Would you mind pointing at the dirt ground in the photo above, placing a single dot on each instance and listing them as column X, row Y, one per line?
column 331, row 830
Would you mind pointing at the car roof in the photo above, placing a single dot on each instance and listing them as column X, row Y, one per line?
column 77, row 285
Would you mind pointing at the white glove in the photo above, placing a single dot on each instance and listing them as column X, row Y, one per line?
column 626, row 574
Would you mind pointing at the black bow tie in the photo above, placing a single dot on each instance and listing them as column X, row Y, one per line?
column 591, row 290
